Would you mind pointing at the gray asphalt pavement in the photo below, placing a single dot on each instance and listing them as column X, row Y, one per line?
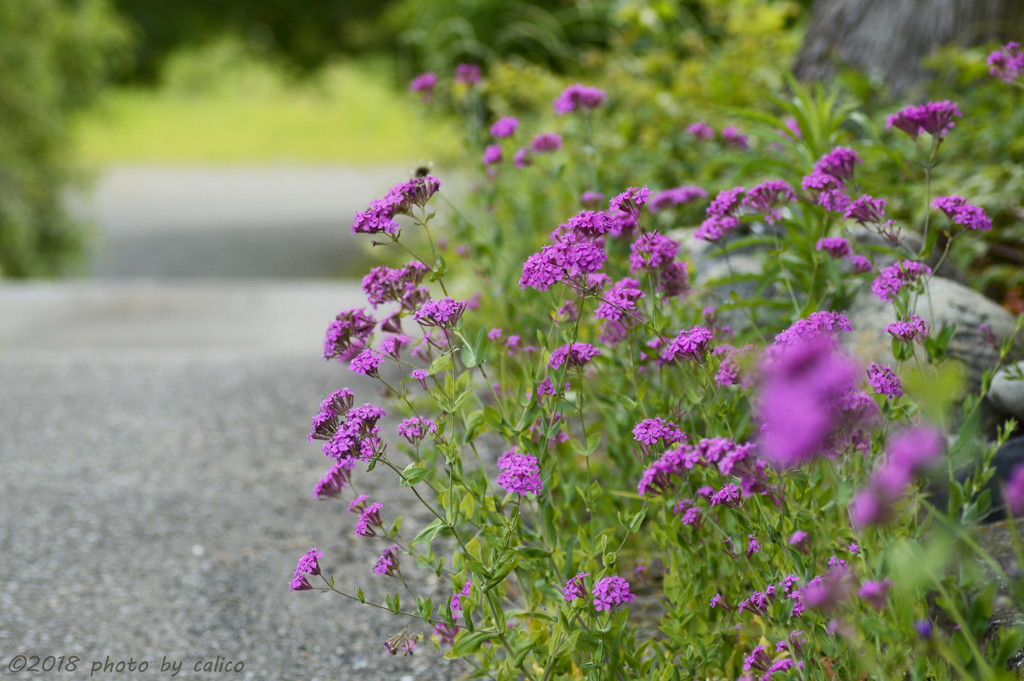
column 155, row 479
column 155, row 484
column 277, row 221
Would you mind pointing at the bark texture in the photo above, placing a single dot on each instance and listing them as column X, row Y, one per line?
column 888, row 38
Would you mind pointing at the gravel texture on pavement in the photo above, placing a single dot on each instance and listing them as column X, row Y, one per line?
column 154, row 499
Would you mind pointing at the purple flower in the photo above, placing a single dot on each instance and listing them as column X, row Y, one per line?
column 522, row 159
column 866, row 210
column 895, row 277
column 307, row 565
column 416, row 428
column 520, row 473
column 591, row 199
column 367, row 362
column 368, row 519
column 444, row 313
column 839, row 163
column 387, row 564
column 384, row 284
column 576, row 354
column 1013, row 494
column 766, row 198
column 347, row 335
column 587, row 224
column 716, row 228
column 467, row 74
column 689, row 344
column 799, row 541
column 860, row 264
column 799, row 400
column 545, row 142
column 924, row 628
column 826, row 593
column 379, row 217
column 875, row 593
column 630, row 201
column 424, row 83
column 446, row 634
column 733, row 138
column 649, row 431
column 1006, row 64
column 577, row 97
column 727, row 203
column 884, row 381
column 675, row 280
column 392, row 345
column 792, row 128
column 934, row 118
column 675, row 196
column 611, row 591
column 420, row 375
column 909, row 454
column 457, row 596
column 753, row 545
column 572, row 258
column 652, row 251
column 690, row 516
column 728, row 496
column 492, row 154
column 335, row 481
column 836, row 247
column 908, row 329
column 701, row 130
column 825, row 324
column 576, row 587
column 757, row 659
column 962, row 213
column 718, row 601
column 620, row 300
column 505, row 127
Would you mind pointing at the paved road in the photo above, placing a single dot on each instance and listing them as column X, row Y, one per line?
column 278, row 221
column 155, row 482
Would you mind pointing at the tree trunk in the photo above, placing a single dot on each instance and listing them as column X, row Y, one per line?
column 888, row 38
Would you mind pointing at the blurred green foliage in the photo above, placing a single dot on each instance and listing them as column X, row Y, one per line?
column 54, row 57
column 670, row 63
column 307, row 33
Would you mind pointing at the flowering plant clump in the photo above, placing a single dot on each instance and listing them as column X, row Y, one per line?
column 664, row 400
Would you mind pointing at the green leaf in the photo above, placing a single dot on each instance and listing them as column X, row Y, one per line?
column 428, row 533
column 461, row 400
column 501, row 574
column 425, row 607
column 360, row 596
column 413, row 473
column 469, row 356
column 441, row 363
column 533, row 552
column 467, row 643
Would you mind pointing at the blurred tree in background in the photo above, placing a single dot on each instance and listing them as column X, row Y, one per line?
column 54, row 57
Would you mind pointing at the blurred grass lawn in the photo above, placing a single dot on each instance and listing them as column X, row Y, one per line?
column 219, row 105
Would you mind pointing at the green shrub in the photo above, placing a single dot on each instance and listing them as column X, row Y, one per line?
column 54, row 57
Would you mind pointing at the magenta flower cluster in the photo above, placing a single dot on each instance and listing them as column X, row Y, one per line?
column 767, row 197
column 520, row 473
column 675, row 196
column 573, row 354
column 934, row 118
column 689, row 344
column 611, row 591
column 306, row 566
column 884, row 380
column 894, row 277
column 444, row 313
column 579, row 98
column 416, row 428
column 1006, row 64
column 380, row 216
column 962, row 213
column 909, row 454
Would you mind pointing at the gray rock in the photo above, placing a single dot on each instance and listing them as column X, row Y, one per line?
column 950, row 303
column 1007, row 391
column 912, row 243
